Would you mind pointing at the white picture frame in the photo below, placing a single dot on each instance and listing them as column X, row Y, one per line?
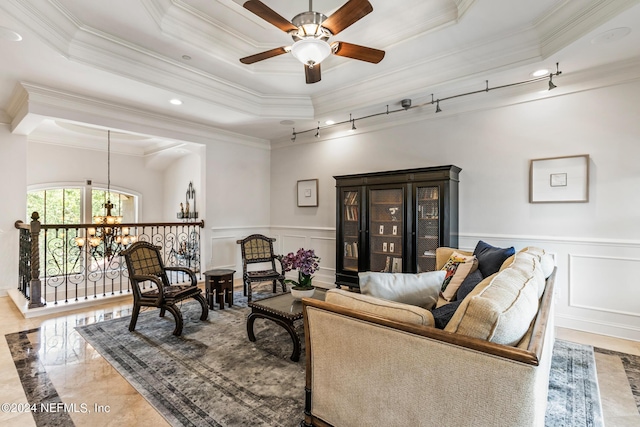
column 559, row 180
column 308, row 193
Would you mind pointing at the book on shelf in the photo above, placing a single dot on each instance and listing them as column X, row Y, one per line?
column 351, row 249
column 351, row 213
column 351, row 198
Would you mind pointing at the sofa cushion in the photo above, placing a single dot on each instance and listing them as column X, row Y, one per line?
column 443, row 253
column 490, row 258
column 380, row 307
column 469, row 284
column 416, row 289
column 502, row 306
column 443, row 314
column 458, row 268
column 546, row 259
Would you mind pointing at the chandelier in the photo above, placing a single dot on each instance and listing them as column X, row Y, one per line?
column 108, row 231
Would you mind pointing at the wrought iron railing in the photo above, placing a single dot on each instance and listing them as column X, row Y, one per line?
column 54, row 268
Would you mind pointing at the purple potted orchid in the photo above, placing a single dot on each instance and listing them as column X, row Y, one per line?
column 306, row 262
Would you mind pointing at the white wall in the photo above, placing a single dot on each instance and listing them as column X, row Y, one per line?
column 596, row 244
column 55, row 163
column 238, row 200
column 13, row 193
column 177, row 177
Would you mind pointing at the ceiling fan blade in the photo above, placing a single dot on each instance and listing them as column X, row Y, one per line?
column 269, row 15
column 355, row 51
column 312, row 74
column 350, row 12
column 263, row 55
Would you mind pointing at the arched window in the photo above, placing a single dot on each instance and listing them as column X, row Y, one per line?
column 78, row 204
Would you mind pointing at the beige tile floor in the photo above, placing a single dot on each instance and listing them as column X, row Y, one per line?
column 82, row 376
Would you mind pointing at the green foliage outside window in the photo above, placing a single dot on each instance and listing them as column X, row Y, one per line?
column 55, row 206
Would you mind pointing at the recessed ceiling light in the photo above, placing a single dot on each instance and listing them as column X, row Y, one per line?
column 540, row 73
column 329, row 122
column 186, row 57
column 176, row 101
column 611, row 35
column 287, row 122
column 7, row 34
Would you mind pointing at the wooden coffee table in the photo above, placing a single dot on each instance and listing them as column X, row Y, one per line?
column 284, row 310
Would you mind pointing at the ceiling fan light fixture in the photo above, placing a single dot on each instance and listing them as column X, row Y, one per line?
column 311, row 51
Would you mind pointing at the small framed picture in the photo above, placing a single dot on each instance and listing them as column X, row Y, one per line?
column 384, row 246
column 308, row 193
column 394, row 230
column 391, row 247
column 382, row 229
column 559, row 179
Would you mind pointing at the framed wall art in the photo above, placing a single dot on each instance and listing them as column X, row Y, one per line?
column 559, row 180
column 308, row 192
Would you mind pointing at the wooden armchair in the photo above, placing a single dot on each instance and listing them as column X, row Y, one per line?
column 145, row 264
column 258, row 249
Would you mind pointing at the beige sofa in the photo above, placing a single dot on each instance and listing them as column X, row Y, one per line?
column 371, row 362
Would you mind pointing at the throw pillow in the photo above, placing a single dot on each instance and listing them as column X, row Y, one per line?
column 416, row 289
column 443, row 314
column 458, row 268
column 380, row 307
column 468, row 284
column 490, row 258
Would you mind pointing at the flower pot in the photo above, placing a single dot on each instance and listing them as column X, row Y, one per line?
column 302, row 293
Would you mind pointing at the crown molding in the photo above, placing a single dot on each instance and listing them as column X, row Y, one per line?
column 570, row 20
column 430, row 73
column 39, row 102
column 80, row 43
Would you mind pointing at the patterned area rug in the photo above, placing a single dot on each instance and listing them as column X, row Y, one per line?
column 214, row 376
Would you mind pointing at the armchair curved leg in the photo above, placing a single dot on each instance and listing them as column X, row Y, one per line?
column 134, row 318
column 162, row 311
column 177, row 315
column 284, row 286
column 205, row 309
column 275, row 286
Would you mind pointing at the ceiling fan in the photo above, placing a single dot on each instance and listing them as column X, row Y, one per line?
column 311, row 31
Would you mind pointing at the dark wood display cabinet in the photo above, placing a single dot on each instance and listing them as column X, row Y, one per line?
column 394, row 221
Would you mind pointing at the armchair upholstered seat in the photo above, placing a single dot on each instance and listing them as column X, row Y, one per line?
column 145, row 265
column 258, row 249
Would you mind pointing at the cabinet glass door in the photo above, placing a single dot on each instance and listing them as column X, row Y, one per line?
column 386, row 233
column 350, row 229
column 427, row 227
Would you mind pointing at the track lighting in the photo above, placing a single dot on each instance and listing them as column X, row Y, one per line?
column 406, row 103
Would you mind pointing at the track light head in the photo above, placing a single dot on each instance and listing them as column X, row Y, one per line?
column 406, row 103
column 438, row 106
column 353, row 124
column 318, row 131
column 293, row 135
column 551, row 85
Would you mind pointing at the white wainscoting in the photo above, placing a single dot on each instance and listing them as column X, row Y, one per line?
column 225, row 252
column 597, row 287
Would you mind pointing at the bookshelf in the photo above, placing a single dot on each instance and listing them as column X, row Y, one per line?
column 394, row 221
